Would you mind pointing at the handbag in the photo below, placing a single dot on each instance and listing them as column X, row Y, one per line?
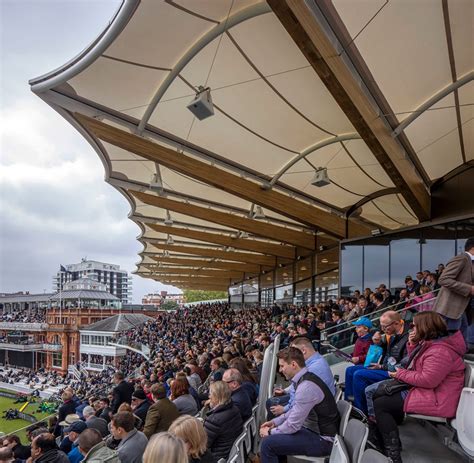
column 390, row 387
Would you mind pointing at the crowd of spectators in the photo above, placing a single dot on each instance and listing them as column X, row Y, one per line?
column 32, row 316
column 189, row 401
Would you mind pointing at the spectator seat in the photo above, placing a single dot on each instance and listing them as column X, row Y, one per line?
column 372, row 456
column 464, row 422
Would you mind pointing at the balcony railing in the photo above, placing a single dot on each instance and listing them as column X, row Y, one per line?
column 21, row 347
column 52, row 347
column 19, row 326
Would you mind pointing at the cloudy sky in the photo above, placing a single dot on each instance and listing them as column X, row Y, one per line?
column 55, row 207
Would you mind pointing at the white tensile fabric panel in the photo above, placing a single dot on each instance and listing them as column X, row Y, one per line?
column 216, row 10
column 371, row 213
column 408, row 66
column 434, row 137
column 355, row 19
column 158, row 34
column 119, row 86
column 392, row 206
column 466, row 97
column 304, row 90
column 461, row 18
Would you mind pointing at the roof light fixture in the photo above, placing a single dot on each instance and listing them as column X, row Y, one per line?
column 258, row 214
column 321, row 177
column 201, row 105
column 168, row 221
column 170, row 240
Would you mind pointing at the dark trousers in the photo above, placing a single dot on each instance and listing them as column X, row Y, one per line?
column 389, row 412
column 302, row 442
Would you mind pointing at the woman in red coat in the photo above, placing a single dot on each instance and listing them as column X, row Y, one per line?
column 434, row 375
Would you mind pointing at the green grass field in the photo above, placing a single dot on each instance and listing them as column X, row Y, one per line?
column 10, row 426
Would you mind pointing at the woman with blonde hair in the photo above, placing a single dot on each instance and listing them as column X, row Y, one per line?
column 191, row 431
column 223, row 422
column 165, row 447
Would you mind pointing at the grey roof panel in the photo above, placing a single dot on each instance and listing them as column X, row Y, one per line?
column 120, row 322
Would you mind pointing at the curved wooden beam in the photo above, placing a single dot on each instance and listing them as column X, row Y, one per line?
column 256, row 227
column 208, row 264
column 240, row 243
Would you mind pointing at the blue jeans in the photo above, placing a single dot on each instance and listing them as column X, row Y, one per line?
column 302, row 442
column 363, row 378
column 369, row 397
column 348, row 386
column 282, row 400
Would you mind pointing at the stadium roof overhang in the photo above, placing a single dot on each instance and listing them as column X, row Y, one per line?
column 379, row 93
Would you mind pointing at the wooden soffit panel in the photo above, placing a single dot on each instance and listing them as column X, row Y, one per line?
column 247, row 268
column 219, row 178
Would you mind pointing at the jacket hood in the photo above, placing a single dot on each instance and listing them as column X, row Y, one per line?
column 101, row 453
column 455, row 342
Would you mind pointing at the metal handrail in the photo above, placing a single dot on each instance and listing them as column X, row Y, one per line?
column 390, row 307
column 31, row 424
column 370, row 316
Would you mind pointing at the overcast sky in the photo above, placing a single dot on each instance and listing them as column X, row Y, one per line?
column 55, row 207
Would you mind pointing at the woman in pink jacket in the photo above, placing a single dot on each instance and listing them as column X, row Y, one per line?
column 434, row 378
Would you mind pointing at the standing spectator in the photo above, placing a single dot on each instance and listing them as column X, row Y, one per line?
column 122, row 391
column 94, row 449
column 191, row 431
column 456, row 297
column 161, row 414
column 223, row 423
column 66, row 408
column 165, row 448
column 132, row 442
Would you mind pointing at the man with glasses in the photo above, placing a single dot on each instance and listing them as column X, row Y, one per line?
column 233, row 378
column 394, row 345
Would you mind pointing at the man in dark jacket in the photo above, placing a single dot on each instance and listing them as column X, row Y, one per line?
column 94, row 422
column 239, row 396
column 67, row 408
column 161, row 414
column 140, row 404
column 394, row 344
column 45, row 450
column 122, row 392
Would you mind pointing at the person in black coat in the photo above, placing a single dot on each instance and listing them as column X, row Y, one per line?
column 238, row 394
column 223, row 423
column 67, row 408
column 122, row 392
column 140, row 405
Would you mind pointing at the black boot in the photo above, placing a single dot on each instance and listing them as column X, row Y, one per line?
column 391, row 442
column 375, row 438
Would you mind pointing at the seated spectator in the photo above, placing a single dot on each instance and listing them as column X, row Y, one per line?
column 309, row 427
column 411, row 286
column 434, row 378
column 21, row 452
column 180, row 396
column 161, row 414
column 140, row 405
column 94, row 449
column 45, row 450
column 192, row 372
column 364, row 339
column 6, row 455
column 73, row 432
column 68, row 407
column 239, row 396
column 132, row 442
column 94, row 422
column 67, row 442
column 394, row 344
column 191, row 431
column 248, row 381
column 315, row 363
column 165, row 448
column 425, row 301
column 223, row 422
column 105, row 410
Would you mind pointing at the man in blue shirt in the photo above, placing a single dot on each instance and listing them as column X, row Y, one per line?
column 315, row 363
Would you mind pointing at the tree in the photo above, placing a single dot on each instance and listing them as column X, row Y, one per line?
column 169, row 305
column 195, row 295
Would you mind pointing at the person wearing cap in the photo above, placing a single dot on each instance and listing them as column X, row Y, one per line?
column 140, row 404
column 364, row 339
column 95, row 422
column 73, row 431
column 66, row 443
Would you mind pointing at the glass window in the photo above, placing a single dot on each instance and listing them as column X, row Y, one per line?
column 434, row 252
column 266, row 298
column 266, row 280
column 303, row 293
column 376, row 264
column 303, row 269
column 284, row 275
column 326, row 286
column 284, row 294
column 351, row 261
column 327, row 260
column 404, row 260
